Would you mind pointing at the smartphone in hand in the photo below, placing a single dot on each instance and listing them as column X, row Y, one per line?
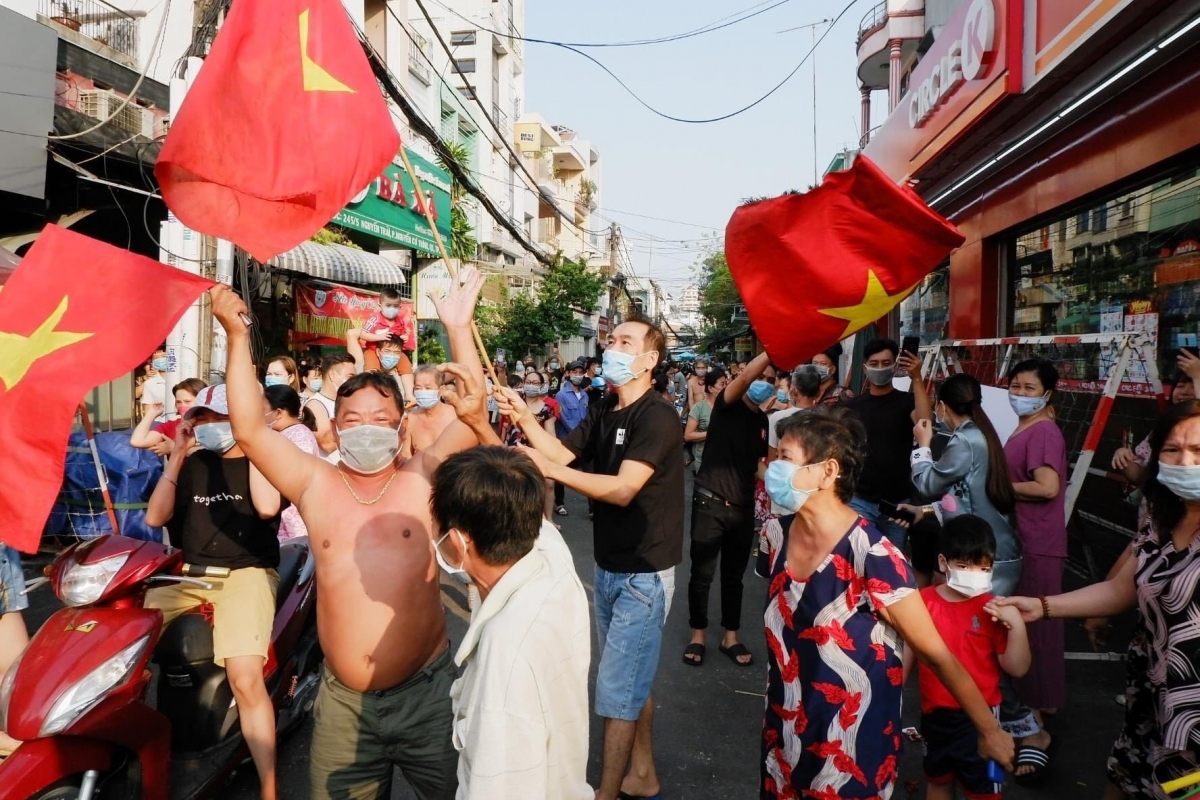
column 893, row 511
column 911, row 344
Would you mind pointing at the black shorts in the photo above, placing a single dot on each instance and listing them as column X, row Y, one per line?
column 951, row 753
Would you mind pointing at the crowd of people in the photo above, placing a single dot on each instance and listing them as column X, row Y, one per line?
column 893, row 529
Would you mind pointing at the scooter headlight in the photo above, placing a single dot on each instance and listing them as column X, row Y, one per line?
column 6, row 690
column 83, row 584
column 92, row 688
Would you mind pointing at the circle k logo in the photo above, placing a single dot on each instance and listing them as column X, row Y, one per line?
column 978, row 37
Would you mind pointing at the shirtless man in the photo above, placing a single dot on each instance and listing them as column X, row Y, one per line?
column 431, row 416
column 385, row 695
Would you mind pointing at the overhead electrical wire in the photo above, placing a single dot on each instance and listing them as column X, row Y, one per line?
column 716, row 25
column 698, row 121
column 516, row 158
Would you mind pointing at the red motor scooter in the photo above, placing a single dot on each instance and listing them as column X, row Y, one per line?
column 79, row 696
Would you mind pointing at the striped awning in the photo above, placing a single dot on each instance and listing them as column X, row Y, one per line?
column 340, row 264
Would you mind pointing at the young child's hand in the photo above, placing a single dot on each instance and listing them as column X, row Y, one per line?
column 1008, row 616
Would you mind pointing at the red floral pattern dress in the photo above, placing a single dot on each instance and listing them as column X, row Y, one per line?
column 832, row 722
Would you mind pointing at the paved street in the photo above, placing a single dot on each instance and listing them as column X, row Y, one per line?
column 708, row 719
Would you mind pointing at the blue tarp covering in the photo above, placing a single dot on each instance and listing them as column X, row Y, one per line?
column 132, row 475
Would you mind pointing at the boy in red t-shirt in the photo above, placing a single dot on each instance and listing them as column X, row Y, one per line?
column 984, row 638
column 387, row 325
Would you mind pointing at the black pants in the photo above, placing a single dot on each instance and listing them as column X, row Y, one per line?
column 560, row 494
column 721, row 531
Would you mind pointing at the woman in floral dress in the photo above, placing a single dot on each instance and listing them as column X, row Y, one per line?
column 841, row 602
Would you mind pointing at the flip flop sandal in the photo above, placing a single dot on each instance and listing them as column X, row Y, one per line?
column 1035, row 757
column 694, row 650
column 737, row 651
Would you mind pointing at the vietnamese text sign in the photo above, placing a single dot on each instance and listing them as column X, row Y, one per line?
column 324, row 312
column 390, row 208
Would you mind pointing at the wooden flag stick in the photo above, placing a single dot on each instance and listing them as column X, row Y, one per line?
column 427, row 204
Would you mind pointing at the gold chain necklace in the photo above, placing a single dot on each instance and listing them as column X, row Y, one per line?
column 378, row 497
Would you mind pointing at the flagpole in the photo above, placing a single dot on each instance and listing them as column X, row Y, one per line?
column 101, row 475
column 427, row 204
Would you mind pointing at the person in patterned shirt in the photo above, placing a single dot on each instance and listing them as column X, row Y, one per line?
column 842, row 600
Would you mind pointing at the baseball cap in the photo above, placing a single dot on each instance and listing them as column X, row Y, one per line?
column 214, row 398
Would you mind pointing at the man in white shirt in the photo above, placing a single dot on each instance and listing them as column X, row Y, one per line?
column 521, row 703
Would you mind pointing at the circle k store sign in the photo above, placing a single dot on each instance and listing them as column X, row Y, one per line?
column 965, row 60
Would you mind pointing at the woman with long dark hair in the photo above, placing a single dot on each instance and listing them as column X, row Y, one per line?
column 1161, row 580
column 973, row 469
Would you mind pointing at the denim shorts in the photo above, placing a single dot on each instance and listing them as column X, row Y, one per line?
column 631, row 609
column 870, row 511
column 12, row 581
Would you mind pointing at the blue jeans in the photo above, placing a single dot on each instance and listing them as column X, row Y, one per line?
column 869, row 510
column 631, row 609
column 12, row 581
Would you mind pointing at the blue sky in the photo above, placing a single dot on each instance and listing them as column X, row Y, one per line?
column 694, row 173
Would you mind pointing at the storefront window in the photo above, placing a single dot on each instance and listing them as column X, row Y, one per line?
column 924, row 313
column 1129, row 263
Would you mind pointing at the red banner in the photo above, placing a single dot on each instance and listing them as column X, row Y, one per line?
column 325, row 311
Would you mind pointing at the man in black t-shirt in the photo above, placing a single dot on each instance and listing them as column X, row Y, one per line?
column 723, row 507
column 888, row 415
column 634, row 445
column 222, row 512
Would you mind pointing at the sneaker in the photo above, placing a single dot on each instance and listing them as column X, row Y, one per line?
column 561, row 511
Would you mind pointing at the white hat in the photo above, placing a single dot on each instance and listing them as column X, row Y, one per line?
column 213, row 398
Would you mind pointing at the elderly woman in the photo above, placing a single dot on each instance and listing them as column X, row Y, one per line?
column 1160, row 579
column 841, row 601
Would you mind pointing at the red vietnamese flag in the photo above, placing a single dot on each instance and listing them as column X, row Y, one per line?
column 814, row 268
column 75, row 314
column 283, row 126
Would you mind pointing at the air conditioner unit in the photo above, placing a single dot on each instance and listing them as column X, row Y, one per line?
column 102, row 103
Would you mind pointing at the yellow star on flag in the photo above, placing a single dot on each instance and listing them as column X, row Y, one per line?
column 876, row 303
column 19, row 353
column 316, row 77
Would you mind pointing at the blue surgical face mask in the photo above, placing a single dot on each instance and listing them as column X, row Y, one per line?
column 759, row 392
column 781, row 396
column 390, row 312
column 778, row 482
column 160, row 364
column 1182, row 480
column 823, row 372
column 315, row 384
column 275, row 380
column 389, row 361
column 618, row 366
column 426, row 398
column 1026, row 406
column 215, row 436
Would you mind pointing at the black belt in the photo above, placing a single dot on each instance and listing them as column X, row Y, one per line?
column 700, row 490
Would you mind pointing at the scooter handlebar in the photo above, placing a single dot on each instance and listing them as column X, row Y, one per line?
column 202, row 571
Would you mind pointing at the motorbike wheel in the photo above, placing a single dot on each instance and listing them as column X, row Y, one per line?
column 67, row 789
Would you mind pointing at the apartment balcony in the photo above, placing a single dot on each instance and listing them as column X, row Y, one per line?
column 547, row 234
column 112, row 32
column 568, row 157
column 417, row 64
column 885, row 22
column 503, row 123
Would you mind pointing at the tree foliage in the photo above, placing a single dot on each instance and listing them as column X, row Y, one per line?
column 718, row 296
column 527, row 322
column 429, row 344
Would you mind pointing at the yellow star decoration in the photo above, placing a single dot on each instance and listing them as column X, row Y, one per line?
column 316, row 78
column 876, row 303
column 18, row 353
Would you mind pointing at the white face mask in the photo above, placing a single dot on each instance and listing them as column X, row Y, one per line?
column 437, row 553
column 368, row 448
column 969, row 582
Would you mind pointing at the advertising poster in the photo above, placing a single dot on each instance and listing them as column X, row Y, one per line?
column 325, row 311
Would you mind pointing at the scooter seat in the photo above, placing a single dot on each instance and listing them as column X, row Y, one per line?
column 291, row 558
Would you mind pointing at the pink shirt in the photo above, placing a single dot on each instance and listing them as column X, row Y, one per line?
column 290, row 523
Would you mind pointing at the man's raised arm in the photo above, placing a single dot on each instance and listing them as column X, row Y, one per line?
column 281, row 462
column 456, row 310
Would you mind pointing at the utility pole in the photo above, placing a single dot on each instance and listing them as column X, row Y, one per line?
column 813, row 58
column 613, row 243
